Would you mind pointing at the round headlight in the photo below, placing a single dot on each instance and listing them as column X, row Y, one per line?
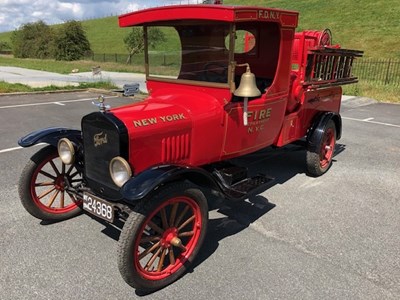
column 120, row 171
column 66, row 151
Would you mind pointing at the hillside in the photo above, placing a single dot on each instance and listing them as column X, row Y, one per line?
column 370, row 25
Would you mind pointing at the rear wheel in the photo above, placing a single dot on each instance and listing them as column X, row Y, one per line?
column 43, row 183
column 161, row 240
column 320, row 160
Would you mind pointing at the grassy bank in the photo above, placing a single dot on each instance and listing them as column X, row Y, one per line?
column 6, row 87
column 64, row 67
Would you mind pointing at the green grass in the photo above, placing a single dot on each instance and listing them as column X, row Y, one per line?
column 369, row 25
column 6, row 87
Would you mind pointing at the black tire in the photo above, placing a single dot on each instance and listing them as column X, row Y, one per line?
column 166, row 233
column 320, row 160
column 41, row 187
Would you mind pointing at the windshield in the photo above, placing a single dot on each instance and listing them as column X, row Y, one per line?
column 191, row 51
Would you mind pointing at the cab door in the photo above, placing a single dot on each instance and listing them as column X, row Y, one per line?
column 264, row 121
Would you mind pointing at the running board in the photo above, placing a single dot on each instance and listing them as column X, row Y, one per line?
column 236, row 184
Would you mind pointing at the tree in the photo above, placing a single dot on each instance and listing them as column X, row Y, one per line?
column 135, row 43
column 71, row 42
column 34, row 40
column 4, row 46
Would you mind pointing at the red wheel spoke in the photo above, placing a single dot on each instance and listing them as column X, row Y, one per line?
column 181, row 215
column 46, row 192
column 47, row 175
column 44, row 183
column 155, row 227
column 152, row 259
column 161, row 261
column 54, row 167
column 171, row 256
column 186, row 222
column 151, row 238
column 164, row 218
column 62, row 199
column 185, row 234
column 51, row 201
column 148, row 250
column 173, row 214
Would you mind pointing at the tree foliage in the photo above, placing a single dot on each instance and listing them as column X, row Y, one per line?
column 4, row 46
column 71, row 42
column 35, row 40
column 38, row 40
column 134, row 41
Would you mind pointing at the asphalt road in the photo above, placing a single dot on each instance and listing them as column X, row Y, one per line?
column 36, row 78
column 332, row 237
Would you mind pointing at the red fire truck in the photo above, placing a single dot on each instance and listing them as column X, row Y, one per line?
column 236, row 80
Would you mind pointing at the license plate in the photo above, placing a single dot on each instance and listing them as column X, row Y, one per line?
column 98, row 207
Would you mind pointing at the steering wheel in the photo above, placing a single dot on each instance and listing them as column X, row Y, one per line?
column 216, row 72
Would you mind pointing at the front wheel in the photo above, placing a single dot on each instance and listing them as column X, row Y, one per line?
column 160, row 241
column 43, row 186
column 320, row 160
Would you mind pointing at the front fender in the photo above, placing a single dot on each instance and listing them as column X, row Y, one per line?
column 141, row 185
column 50, row 136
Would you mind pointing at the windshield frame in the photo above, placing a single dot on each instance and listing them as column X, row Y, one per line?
column 230, row 72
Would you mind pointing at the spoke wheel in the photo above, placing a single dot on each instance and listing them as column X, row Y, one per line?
column 43, row 185
column 320, row 160
column 158, row 244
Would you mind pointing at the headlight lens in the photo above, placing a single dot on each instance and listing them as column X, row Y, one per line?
column 66, row 151
column 120, row 171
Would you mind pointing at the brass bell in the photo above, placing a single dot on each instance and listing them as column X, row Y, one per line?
column 247, row 86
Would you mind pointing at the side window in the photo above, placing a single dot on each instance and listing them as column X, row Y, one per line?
column 245, row 42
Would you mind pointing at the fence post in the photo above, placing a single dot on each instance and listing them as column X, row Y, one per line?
column 387, row 72
column 116, row 57
column 104, row 57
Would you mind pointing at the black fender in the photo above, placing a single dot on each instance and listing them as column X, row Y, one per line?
column 50, row 136
column 143, row 184
column 315, row 135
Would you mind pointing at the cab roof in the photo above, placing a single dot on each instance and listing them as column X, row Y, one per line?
column 222, row 13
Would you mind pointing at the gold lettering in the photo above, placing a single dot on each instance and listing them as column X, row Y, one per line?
column 266, row 14
column 181, row 116
column 268, row 112
column 153, row 120
column 137, row 123
column 144, row 122
column 175, row 117
column 250, row 129
column 162, row 118
column 262, row 114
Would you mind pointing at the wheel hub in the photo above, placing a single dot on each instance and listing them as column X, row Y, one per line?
column 60, row 183
column 169, row 235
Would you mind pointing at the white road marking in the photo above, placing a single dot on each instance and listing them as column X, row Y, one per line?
column 18, row 148
column 368, row 119
column 59, row 103
column 49, row 103
column 10, row 149
column 372, row 122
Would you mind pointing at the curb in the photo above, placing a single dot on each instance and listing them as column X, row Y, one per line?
column 43, row 92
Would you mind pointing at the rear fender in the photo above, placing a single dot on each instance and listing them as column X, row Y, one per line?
column 140, row 186
column 315, row 135
column 50, row 136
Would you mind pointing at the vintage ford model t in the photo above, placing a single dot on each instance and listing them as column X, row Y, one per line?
column 236, row 79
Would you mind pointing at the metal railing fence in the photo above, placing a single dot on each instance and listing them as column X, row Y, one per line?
column 382, row 71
